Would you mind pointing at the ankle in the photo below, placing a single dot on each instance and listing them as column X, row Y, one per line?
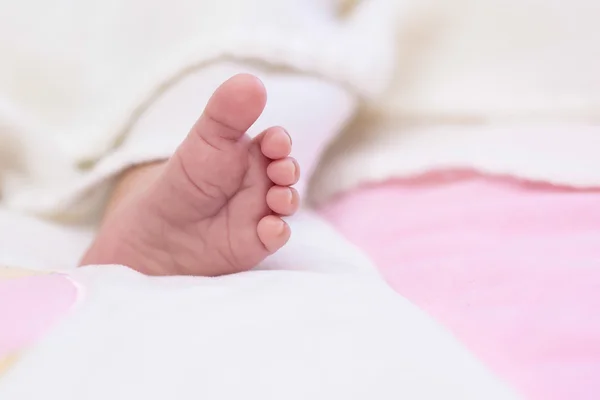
column 131, row 183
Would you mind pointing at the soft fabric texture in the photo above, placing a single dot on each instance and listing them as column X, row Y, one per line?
column 260, row 335
column 502, row 87
column 315, row 321
column 419, row 69
column 27, row 242
column 512, row 268
column 561, row 154
column 315, row 245
column 494, row 61
column 30, row 306
column 160, row 129
column 105, row 64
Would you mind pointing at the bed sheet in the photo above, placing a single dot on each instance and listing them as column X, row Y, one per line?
column 317, row 322
column 512, row 268
column 27, row 242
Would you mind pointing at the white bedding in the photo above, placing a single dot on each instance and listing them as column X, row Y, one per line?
column 331, row 329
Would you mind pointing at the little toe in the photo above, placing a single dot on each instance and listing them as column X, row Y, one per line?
column 273, row 232
column 283, row 200
column 276, row 143
column 284, row 172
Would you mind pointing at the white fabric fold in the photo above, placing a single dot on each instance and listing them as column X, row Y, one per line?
column 315, row 333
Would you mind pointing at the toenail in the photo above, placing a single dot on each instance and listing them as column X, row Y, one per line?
column 281, row 227
column 288, row 135
column 277, row 225
column 296, row 170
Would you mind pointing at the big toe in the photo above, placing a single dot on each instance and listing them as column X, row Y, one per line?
column 214, row 141
column 232, row 109
column 211, row 162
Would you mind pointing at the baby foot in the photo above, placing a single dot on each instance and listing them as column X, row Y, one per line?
column 215, row 207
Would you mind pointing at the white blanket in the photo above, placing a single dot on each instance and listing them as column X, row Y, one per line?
column 331, row 331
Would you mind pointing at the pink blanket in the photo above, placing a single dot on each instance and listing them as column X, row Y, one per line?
column 512, row 269
column 29, row 306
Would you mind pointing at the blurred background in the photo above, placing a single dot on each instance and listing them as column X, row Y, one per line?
column 455, row 142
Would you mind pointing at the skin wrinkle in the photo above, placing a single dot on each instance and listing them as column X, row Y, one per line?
column 231, row 249
column 221, row 197
column 233, row 138
column 210, row 198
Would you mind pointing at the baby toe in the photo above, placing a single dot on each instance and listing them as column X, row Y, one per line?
column 283, row 200
column 284, row 172
column 276, row 143
column 273, row 232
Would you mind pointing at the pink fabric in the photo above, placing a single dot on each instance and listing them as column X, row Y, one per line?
column 512, row 269
column 29, row 306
